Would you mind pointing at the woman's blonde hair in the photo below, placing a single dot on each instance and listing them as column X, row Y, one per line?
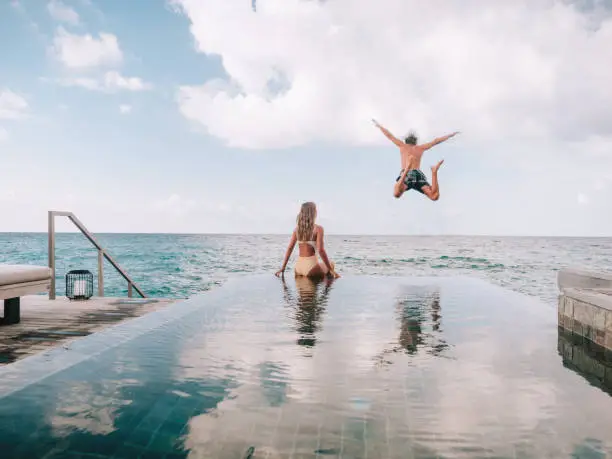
column 306, row 221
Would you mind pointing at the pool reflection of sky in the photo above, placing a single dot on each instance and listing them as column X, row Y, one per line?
column 362, row 366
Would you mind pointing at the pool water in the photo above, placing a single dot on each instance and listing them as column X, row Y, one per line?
column 364, row 367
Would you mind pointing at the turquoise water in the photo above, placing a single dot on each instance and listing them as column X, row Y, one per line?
column 364, row 367
column 167, row 265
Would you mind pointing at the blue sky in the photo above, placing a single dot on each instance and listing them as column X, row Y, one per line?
column 177, row 122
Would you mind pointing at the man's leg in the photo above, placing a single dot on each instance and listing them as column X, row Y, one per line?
column 433, row 192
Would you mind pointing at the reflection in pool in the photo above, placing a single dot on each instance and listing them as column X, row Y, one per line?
column 307, row 307
column 361, row 367
column 419, row 315
column 586, row 358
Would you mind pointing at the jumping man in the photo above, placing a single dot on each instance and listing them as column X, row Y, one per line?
column 411, row 175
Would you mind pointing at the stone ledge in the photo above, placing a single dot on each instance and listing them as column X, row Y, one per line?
column 601, row 298
column 586, row 311
column 583, row 279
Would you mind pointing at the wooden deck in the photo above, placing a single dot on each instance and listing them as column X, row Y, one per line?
column 47, row 323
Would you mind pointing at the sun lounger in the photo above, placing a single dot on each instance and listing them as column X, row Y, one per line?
column 17, row 281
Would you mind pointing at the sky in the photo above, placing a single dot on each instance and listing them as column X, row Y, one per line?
column 212, row 116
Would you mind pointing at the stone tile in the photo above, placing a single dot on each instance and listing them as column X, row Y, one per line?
column 579, row 311
column 589, row 313
column 163, row 443
column 599, row 319
column 608, row 377
column 565, row 349
column 561, row 304
column 600, row 337
column 569, row 307
column 588, row 332
column 577, row 327
column 608, row 342
column 598, row 369
column 353, row 448
column 608, row 321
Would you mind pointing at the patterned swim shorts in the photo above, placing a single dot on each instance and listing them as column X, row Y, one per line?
column 415, row 179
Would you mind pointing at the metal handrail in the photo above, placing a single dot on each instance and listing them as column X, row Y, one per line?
column 102, row 254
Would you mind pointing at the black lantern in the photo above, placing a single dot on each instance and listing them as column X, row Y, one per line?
column 79, row 284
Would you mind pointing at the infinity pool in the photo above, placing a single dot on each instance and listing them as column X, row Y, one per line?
column 363, row 367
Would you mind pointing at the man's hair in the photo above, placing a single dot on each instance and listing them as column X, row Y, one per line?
column 411, row 138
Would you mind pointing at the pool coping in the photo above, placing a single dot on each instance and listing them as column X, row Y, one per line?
column 29, row 370
column 24, row 372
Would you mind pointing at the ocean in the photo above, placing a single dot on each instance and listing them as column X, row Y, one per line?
column 172, row 265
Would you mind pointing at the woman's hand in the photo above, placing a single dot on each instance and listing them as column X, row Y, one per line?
column 280, row 273
column 334, row 274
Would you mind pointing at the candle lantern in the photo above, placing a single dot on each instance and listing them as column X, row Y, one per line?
column 79, row 284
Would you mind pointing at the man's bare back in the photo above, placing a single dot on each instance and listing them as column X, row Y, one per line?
column 411, row 156
column 411, row 175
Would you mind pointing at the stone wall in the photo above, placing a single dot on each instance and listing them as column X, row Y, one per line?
column 586, row 312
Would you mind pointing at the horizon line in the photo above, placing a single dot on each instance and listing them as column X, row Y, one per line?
column 328, row 234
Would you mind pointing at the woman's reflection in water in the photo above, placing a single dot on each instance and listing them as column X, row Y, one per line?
column 308, row 307
column 416, row 315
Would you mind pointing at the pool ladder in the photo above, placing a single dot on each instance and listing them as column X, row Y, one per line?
column 102, row 254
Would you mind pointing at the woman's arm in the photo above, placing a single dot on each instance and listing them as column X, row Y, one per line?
column 322, row 252
column 292, row 242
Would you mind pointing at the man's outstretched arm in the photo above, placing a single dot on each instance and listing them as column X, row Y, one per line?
column 390, row 136
column 438, row 140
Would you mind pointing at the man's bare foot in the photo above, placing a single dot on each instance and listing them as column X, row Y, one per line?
column 435, row 168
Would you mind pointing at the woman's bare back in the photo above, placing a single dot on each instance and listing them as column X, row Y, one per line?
column 307, row 250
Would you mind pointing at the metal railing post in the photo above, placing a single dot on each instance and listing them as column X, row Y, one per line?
column 100, row 273
column 52, row 254
column 102, row 254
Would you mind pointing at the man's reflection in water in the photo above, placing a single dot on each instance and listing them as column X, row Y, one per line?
column 308, row 307
column 419, row 317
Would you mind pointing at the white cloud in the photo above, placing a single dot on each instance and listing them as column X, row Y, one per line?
column 600, row 184
column 125, row 109
column 115, row 80
column 583, row 199
column 85, row 51
column 61, row 12
column 110, row 81
column 83, row 82
column 7, row 195
column 4, row 135
column 12, row 105
column 507, row 71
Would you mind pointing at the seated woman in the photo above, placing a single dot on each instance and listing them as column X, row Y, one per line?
column 309, row 238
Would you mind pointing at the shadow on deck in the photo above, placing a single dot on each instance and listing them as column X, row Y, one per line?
column 47, row 323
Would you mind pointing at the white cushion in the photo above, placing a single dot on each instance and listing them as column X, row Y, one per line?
column 17, row 274
column 27, row 288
